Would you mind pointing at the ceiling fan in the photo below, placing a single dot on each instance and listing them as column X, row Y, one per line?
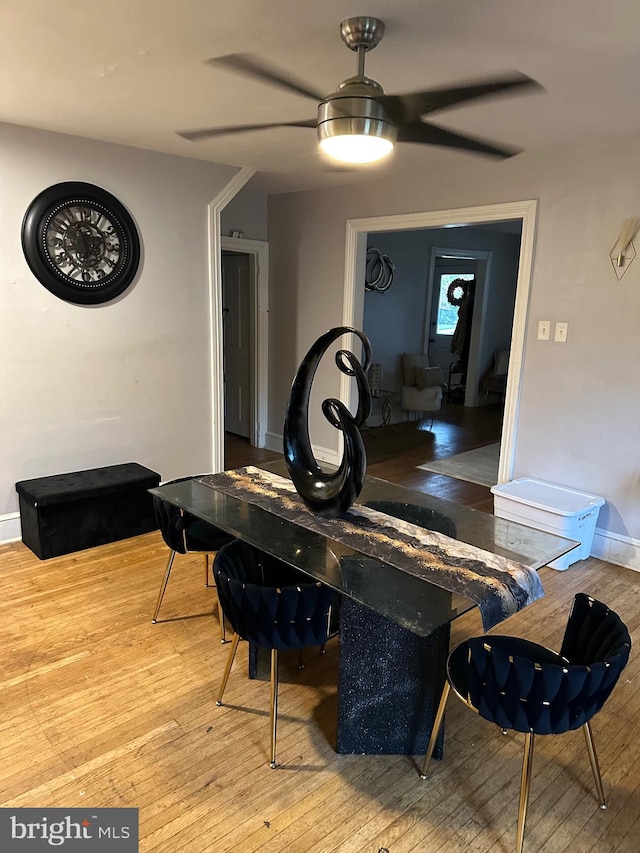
column 358, row 123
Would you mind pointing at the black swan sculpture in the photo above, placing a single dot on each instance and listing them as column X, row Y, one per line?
column 328, row 494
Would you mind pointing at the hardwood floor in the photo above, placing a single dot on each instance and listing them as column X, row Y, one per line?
column 394, row 451
column 102, row 708
column 238, row 452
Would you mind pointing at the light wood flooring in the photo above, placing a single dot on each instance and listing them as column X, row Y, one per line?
column 101, row 708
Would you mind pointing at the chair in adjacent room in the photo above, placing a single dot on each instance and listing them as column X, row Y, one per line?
column 494, row 379
column 421, row 389
column 271, row 605
column 185, row 534
column 523, row 686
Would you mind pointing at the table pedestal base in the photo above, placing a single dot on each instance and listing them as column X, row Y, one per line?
column 390, row 684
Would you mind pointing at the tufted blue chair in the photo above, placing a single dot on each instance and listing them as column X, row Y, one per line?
column 523, row 686
column 184, row 533
column 272, row 606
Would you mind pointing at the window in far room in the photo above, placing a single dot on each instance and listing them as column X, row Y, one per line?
column 447, row 316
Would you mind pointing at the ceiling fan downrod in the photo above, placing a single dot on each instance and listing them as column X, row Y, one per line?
column 361, row 34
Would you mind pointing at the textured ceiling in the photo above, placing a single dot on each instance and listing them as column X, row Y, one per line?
column 134, row 72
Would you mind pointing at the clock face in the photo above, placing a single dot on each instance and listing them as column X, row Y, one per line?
column 81, row 243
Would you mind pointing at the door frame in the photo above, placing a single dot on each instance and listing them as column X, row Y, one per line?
column 483, row 277
column 261, row 250
column 258, row 252
column 357, row 231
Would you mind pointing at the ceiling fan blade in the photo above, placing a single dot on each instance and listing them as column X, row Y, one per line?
column 430, row 134
column 258, row 69
column 415, row 104
column 211, row 132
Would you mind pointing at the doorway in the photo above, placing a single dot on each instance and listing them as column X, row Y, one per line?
column 482, row 310
column 451, row 291
column 237, row 343
column 524, row 214
column 245, row 337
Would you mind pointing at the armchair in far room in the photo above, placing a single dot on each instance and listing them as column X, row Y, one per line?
column 422, row 385
column 494, row 379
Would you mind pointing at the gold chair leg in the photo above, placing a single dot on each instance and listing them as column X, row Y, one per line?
column 223, row 626
column 206, row 570
column 437, row 723
column 593, row 758
column 274, row 704
column 527, row 764
column 227, row 669
column 163, row 586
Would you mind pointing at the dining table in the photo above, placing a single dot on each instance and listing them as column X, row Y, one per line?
column 404, row 565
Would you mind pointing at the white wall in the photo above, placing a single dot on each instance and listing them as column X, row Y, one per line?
column 125, row 381
column 579, row 409
column 246, row 212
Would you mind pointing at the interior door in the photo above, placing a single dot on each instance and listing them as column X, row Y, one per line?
column 444, row 315
column 237, row 345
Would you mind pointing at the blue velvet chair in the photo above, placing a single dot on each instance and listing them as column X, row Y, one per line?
column 272, row 606
column 184, row 533
column 523, row 686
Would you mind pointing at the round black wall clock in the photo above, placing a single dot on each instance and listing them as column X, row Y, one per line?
column 81, row 243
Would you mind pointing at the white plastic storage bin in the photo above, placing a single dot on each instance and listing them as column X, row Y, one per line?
column 555, row 509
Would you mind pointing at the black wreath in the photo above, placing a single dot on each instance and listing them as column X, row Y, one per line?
column 457, row 283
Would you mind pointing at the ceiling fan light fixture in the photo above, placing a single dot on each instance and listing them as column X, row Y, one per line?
column 355, row 129
column 356, row 147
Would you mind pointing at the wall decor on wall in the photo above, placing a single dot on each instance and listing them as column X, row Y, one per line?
column 328, row 494
column 81, row 243
column 379, row 271
column 623, row 251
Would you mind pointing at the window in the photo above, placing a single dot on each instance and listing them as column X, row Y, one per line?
column 447, row 313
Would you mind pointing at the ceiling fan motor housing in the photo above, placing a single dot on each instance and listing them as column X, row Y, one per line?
column 354, row 110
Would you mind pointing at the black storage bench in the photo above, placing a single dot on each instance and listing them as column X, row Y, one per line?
column 69, row 512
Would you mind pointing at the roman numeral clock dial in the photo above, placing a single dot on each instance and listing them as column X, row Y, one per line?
column 81, row 243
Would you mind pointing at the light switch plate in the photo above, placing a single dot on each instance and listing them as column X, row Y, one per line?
column 560, row 336
column 544, row 330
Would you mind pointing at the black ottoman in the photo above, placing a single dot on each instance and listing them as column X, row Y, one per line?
column 69, row 512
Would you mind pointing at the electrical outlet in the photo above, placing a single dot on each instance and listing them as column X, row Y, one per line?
column 544, row 330
column 560, row 336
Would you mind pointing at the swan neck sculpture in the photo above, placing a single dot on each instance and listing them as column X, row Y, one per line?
column 328, row 494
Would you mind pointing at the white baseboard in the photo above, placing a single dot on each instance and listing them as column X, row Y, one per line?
column 325, row 454
column 273, row 441
column 10, row 530
column 616, row 548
